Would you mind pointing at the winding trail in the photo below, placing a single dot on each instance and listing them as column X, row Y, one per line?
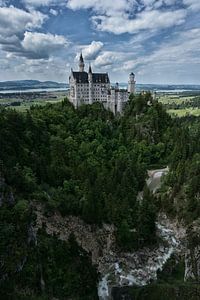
column 154, row 180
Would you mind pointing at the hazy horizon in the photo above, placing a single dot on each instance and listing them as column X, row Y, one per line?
column 138, row 83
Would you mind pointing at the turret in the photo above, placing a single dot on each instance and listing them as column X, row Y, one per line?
column 131, row 83
column 90, row 85
column 113, row 100
column 81, row 63
column 90, row 73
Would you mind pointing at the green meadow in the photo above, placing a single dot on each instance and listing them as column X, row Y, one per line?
column 184, row 103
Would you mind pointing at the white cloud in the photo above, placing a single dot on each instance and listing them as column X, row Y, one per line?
column 90, row 52
column 181, row 53
column 154, row 19
column 14, row 21
column 53, row 12
column 40, row 45
column 175, row 60
column 105, row 59
column 17, row 36
column 109, row 58
column 108, row 7
column 130, row 16
column 102, row 6
column 2, row 2
column 52, row 69
column 184, row 49
column 158, row 3
column 31, row 54
column 35, row 3
column 193, row 4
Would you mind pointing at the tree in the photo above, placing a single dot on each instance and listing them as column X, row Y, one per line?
column 146, row 227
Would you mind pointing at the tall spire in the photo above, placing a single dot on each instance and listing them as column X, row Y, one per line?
column 90, row 69
column 90, row 84
column 81, row 63
column 81, row 57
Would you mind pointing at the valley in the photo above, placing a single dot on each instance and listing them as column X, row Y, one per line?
column 118, row 194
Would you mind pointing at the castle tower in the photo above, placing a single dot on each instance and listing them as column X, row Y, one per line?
column 90, row 85
column 81, row 64
column 113, row 100
column 131, row 83
column 119, row 104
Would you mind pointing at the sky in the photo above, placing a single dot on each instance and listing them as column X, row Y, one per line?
column 158, row 40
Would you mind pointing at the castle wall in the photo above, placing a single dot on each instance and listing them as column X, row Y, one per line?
column 98, row 92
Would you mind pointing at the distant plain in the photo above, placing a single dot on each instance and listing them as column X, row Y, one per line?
column 177, row 104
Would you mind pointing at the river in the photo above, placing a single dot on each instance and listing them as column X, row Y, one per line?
column 33, row 91
column 141, row 267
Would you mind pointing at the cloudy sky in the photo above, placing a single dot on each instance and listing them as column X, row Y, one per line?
column 159, row 40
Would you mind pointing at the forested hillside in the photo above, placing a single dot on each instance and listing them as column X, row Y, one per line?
column 180, row 194
column 90, row 164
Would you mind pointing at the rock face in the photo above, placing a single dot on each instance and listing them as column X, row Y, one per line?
column 96, row 241
column 121, row 269
column 118, row 269
column 140, row 268
column 115, row 268
column 192, row 264
column 192, row 253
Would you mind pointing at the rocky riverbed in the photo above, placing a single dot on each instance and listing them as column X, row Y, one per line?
column 118, row 269
column 140, row 268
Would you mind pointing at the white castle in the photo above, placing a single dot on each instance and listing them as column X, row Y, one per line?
column 87, row 88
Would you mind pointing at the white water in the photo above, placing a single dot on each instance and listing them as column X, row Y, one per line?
column 144, row 271
column 33, row 90
column 158, row 174
column 143, row 275
column 103, row 289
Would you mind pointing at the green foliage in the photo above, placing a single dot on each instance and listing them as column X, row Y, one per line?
column 173, row 271
column 54, row 268
column 13, row 236
column 146, row 220
column 183, row 291
column 180, row 191
column 21, row 209
column 83, row 162
column 125, row 237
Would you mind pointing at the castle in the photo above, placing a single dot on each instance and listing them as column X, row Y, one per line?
column 87, row 88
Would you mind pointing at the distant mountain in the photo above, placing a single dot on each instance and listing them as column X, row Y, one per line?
column 169, row 87
column 36, row 84
column 30, row 84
